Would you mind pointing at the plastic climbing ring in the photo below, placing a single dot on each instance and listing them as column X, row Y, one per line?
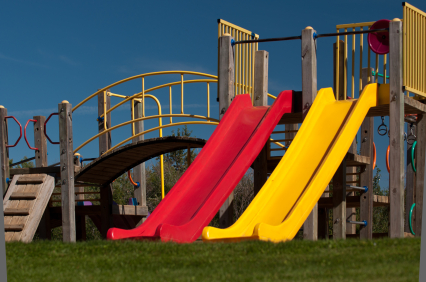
column 387, row 159
column 374, row 155
column 412, row 156
column 410, row 224
column 131, row 179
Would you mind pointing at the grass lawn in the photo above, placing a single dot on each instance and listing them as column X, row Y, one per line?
column 350, row 260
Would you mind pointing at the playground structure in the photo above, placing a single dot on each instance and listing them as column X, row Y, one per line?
column 244, row 69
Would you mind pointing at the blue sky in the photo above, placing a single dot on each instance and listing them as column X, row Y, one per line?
column 54, row 50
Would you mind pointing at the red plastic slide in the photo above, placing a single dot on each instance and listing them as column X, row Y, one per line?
column 197, row 196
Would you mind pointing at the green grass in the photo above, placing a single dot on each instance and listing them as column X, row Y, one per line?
column 350, row 260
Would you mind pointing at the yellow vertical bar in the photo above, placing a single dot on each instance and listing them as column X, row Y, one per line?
column 361, row 49
column 236, row 61
column 384, row 68
column 369, row 64
column 219, row 31
column 243, row 78
column 208, row 100
column 132, row 110
column 181, row 93
column 249, row 70
column 240, row 51
column 105, row 110
column 143, row 96
column 353, row 65
column 345, row 73
column 246, row 84
column 162, row 176
column 252, row 70
column 424, row 54
column 377, row 68
column 418, row 51
column 170, row 101
column 337, row 65
column 412, row 49
column 404, row 46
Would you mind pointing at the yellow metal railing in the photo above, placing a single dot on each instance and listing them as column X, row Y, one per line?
column 244, row 56
column 351, row 84
column 414, row 50
column 140, row 97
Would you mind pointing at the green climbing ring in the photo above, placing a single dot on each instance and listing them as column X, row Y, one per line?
column 411, row 213
column 412, row 156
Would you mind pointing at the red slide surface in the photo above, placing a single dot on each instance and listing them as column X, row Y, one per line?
column 197, row 196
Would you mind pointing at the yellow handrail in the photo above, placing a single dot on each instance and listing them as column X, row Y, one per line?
column 160, row 127
column 140, row 76
column 141, row 94
column 142, row 119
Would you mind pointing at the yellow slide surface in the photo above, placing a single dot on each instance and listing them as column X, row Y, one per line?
column 291, row 192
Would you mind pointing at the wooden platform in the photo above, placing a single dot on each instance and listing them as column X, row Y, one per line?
column 351, row 160
column 108, row 167
column 353, row 201
column 411, row 106
column 24, row 205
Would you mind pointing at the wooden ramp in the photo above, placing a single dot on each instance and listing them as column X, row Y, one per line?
column 24, row 205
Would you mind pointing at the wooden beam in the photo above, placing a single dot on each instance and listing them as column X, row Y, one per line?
column 350, row 176
column 67, row 171
column 139, row 170
column 226, row 95
column 35, row 170
column 339, row 202
column 260, row 164
column 420, row 174
column 366, row 177
column 4, row 152
column 396, row 121
column 104, row 102
column 3, row 268
column 409, row 184
column 309, row 92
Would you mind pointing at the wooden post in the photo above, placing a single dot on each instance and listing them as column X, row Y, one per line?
column 366, row 177
column 3, row 187
column 104, row 144
column 4, row 152
column 309, row 92
column 80, row 220
column 260, row 164
column 339, row 202
column 226, row 95
column 420, row 172
column 409, row 184
column 139, row 170
column 67, row 171
column 351, row 212
column 396, row 121
column 40, row 142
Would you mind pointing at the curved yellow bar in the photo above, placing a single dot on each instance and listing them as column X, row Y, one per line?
column 139, row 76
column 289, row 195
column 141, row 119
column 143, row 93
column 160, row 127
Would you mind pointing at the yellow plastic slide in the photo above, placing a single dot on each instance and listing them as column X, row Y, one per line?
column 289, row 195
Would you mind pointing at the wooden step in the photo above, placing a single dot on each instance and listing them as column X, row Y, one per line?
column 356, row 160
column 14, row 227
column 23, row 196
column 30, row 179
column 17, row 211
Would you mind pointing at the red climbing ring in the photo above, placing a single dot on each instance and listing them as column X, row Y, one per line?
column 374, row 155
column 131, row 180
column 45, row 132
column 25, row 134
column 20, row 131
column 387, row 159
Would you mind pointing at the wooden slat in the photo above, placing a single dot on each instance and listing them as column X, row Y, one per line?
column 31, row 179
column 35, row 170
column 354, row 201
column 14, row 227
column 17, row 211
column 18, row 219
column 130, row 210
column 23, row 196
